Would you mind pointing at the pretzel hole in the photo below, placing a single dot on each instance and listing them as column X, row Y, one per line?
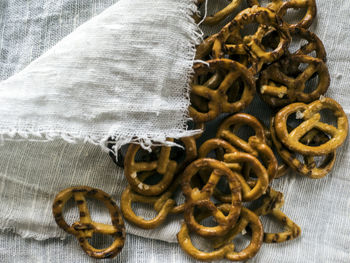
column 242, row 240
column 199, row 103
column 100, row 241
column 201, row 243
column 271, row 224
column 70, row 212
column 143, row 155
column 234, row 93
column 243, row 131
column 294, row 15
column 327, row 116
column 271, row 40
column 249, row 29
column 178, row 154
column 154, row 178
column 296, row 43
column 98, row 211
column 143, row 210
column 293, row 121
column 223, row 186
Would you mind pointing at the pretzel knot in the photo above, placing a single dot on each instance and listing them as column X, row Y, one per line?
column 201, row 198
column 311, row 11
column 312, row 119
column 279, row 88
column 85, row 227
column 256, row 145
column 309, row 167
column 220, row 15
column 229, row 40
column 220, row 93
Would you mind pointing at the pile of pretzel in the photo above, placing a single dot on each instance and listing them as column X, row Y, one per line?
column 220, row 177
column 228, row 177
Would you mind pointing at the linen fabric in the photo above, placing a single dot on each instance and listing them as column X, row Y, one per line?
column 32, row 172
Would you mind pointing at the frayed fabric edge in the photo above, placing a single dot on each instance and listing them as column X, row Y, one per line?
column 146, row 141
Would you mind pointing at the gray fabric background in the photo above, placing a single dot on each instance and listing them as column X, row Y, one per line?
column 321, row 208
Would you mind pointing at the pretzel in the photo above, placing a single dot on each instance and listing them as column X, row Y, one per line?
column 310, row 15
column 220, row 15
column 308, row 168
column 311, row 119
column 256, row 145
column 162, row 164
column 85, row 227
column 259, row 170
column 185, row 242
column 271, row 204
column 279, row 89
column 247, row 218
column 129, row 196
column 201, row 198
column 229, row 41
column 218, row 101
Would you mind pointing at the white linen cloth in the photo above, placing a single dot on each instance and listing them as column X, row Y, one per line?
column 31, row 173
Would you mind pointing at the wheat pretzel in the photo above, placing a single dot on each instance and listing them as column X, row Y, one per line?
column 312, row 119
column 85, row 227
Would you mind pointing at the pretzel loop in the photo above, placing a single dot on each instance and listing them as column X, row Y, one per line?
column 85, row 227
column 310, row 15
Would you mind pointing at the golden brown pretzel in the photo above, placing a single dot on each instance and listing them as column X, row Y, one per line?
column 201, row 198
column 230, row 41
column 309, row 17
column 308, row 168
column 247, row 218
column 256, row 144
column 185, row 242
column 85, row 227
column 220, row 15
column 163, row 166
column 278, row 88
column 218, row 101
column 271, row 204
column 311, row 116
column 129, row 196
column 248, row 193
